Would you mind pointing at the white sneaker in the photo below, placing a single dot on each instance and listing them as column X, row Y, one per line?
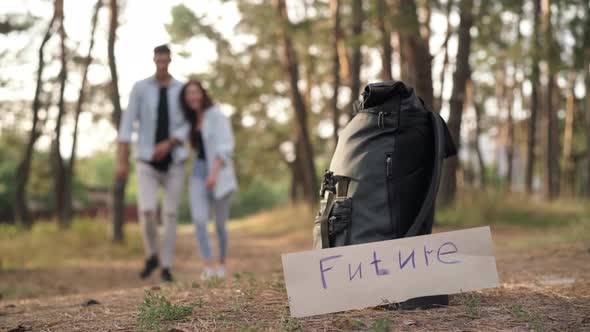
column 220, row 272
column 207, row 274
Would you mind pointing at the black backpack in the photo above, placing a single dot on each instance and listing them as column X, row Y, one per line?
column 385, row 171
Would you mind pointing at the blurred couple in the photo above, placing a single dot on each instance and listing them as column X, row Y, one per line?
column 165, row 114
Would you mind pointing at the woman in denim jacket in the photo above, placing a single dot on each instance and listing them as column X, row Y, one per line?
column 213, row 180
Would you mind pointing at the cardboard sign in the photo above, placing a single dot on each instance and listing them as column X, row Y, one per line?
column 368, row 275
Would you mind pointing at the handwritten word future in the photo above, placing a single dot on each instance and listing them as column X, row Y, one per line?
column 381, row 268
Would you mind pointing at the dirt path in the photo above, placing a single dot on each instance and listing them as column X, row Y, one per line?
column 247, row 253
column 543, row 288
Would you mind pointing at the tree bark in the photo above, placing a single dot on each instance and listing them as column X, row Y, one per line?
column 438, row 104
column 385, row 35
column 70, row 170
column 588, row 119
column 60, row 184
column 291, row 68
column 462, row 73
column 482, row 167
column 21, row 209
column 414, row 51
column 296, row 176
column 587, row 84
column 552, row 142
column 533, row 119
column 336, row 36
column 509, row 97
column 356, row 59
column 473, row 99
column 118, row 208
column 568, row 162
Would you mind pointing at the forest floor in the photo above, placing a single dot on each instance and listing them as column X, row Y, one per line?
column 545, row 286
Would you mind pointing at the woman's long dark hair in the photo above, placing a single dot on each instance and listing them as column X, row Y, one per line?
column 189, row 113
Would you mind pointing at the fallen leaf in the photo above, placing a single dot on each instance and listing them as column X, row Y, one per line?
column 409, row 322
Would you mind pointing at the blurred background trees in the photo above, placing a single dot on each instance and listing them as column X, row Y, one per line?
column 512, row 78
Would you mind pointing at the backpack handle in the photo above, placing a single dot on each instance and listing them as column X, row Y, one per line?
column 439, row 155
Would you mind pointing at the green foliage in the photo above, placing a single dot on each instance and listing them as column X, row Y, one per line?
column 214, row 282
column 252, row 80
column 258, row 196
column 518, row 311
column 96, row 171
column 248, row 328
column 471, row 303
column 497, row 208
column 251, row 198
column 157, row 309
column 380, row 325
column 15, row 23
column 10, row 153
column 279, row 285
column 290, row 324
column 11, row 291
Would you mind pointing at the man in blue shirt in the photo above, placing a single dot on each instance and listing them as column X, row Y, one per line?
column 154, row 111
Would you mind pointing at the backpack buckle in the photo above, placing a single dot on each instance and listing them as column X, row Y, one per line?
column 381, row 120
column 357, row 106
column 328, row 184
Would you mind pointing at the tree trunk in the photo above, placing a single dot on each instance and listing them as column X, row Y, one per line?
column 588, row 117
column 356, row 59
column 385, row 35
column 568, row 162
column 118, row 208
column 587, row 83
column 60, row 180
column 296, row 176
column 472, row 98
column 482, row 167
column 533, row 119
column 291, row 68
column 462, row 73
column 438, row 105
column 336, row 32
column 415, row 52
column 70, row 171
column 509, row 97
column 552, row 146
column 21, row 209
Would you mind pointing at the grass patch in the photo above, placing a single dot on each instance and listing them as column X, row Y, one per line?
column 213, row 282
column 290, row 324
column 278, row 284
column 249, row 328
column 282, row 220
column 498, row 208
column 518, row 311
column 380, row 325
column 472, row 304
column 157, row 309
column 15, row 292
column 46, row 245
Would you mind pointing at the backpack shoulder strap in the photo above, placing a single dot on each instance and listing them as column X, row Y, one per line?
column 439, row 155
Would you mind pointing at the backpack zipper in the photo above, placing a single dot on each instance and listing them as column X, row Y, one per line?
column 390, row 190
column 388, row 166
